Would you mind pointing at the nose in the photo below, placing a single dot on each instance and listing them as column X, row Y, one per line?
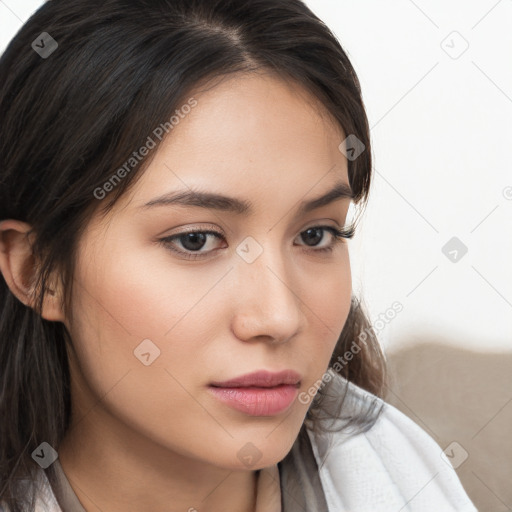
column 267, row 303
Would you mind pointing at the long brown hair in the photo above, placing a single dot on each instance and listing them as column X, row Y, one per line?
column 74, row 107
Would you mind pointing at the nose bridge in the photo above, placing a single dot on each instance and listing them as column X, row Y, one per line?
column 268, row 304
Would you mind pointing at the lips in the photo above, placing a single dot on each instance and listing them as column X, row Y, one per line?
column 261, row 379
column 260, row 393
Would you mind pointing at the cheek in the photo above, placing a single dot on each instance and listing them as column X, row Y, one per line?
column 330, row 298
column 134, row 295
column 327, row 304
column 110, row 324
column 126, row 298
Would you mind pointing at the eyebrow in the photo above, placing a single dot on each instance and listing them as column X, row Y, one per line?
column 194, row 198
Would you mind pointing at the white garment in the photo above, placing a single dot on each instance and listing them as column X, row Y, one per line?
column 395, row 466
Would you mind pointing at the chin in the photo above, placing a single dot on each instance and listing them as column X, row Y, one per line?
column 260, row 452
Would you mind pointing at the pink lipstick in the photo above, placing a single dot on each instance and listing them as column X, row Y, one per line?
column 260, row 393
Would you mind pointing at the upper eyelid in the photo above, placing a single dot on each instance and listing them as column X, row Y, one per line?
column 316, row 224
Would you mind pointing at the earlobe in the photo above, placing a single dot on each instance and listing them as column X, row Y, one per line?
column 18, row 267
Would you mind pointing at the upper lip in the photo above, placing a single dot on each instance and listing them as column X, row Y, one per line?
column 261, row 378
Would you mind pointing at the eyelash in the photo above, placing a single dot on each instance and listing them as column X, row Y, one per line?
column 338, row 234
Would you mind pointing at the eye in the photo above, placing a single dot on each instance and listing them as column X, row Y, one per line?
column 317, row 232
column 193, row 241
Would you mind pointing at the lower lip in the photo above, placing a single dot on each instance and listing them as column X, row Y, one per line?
column 257, row 401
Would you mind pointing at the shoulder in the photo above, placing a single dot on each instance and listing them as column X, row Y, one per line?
column 393, row 465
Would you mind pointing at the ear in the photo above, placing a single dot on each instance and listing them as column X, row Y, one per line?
column 18, row 266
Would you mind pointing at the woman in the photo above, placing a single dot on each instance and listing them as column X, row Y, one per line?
column 178, row 330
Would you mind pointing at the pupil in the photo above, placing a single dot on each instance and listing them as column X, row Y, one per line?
column 311, row 238
column 197, row 241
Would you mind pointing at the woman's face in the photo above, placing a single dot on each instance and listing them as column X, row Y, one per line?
column 155, row 323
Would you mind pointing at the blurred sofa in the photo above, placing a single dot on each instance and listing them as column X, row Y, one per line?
column 463, row 399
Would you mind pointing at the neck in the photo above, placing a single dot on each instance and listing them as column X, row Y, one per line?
column 125, row 474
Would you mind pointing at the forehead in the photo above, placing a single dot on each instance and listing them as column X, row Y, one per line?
column 254, row 112
column 248, row 135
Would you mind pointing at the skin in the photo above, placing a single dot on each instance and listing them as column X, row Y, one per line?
column 152, row 437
